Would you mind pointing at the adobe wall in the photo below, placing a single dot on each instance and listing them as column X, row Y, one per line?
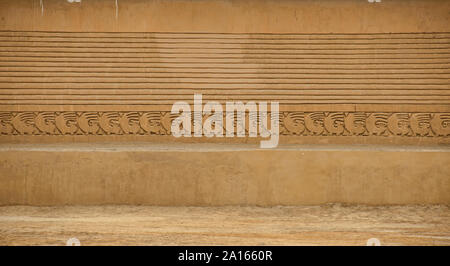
column 344, row 72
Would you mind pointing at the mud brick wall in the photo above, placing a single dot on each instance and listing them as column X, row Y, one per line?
column 342, row 71
column 106, row 73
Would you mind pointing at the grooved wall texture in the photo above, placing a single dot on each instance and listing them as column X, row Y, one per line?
column 342, row 71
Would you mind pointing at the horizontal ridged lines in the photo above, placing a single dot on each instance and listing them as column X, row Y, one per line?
column 74, row 68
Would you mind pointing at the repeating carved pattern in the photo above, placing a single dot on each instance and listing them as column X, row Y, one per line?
column 291, row 123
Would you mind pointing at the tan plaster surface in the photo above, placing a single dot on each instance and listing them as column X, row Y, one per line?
column 217, row 175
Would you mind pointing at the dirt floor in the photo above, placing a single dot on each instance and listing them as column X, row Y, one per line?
column 332, row 224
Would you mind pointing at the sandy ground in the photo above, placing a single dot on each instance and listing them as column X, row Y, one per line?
column 332, row 224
